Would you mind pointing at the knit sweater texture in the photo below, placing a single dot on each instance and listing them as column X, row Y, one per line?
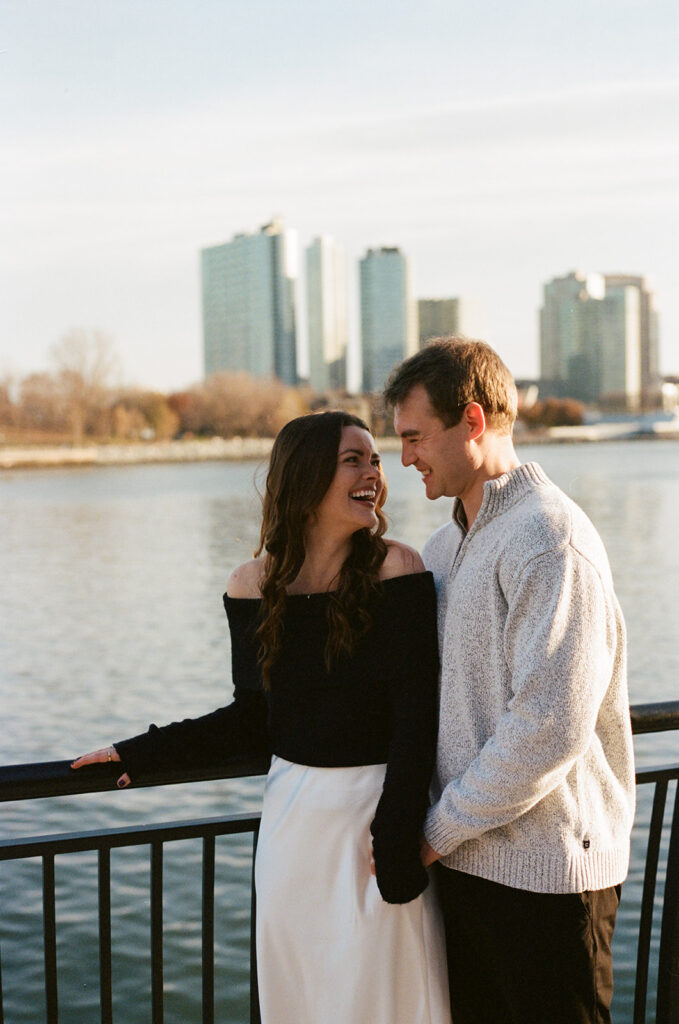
column 534, row 781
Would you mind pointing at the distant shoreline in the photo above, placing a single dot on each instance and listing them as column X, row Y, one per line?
column 210, row 449
column 239, row 448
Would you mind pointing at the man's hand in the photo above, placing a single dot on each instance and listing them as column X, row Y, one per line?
column 427, row 853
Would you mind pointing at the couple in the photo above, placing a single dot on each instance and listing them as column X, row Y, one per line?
column 335, row 668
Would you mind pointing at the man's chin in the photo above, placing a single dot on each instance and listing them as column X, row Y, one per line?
column 430, row 489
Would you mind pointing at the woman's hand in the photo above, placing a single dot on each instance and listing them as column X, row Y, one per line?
column 106, row 754
column 428, row 856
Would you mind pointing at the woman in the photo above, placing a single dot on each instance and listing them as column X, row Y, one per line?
column 334, row 659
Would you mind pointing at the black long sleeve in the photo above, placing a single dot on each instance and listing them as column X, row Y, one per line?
column 397, row 825
column 237, row 730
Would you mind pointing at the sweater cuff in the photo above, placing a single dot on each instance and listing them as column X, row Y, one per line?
column 437, row 832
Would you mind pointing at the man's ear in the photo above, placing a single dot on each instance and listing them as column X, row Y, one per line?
column 475, row 419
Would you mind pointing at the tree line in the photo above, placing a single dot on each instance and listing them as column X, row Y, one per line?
column 79, row 397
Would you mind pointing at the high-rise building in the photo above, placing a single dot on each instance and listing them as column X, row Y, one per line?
column 598, row 339
column 441, row 317
column 326, row 287
column 388, row 314
column 620, row 346
column 650, row 381
column 569, row 352
column 249, row 321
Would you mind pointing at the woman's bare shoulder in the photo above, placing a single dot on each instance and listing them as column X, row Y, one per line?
column 244, row 580
column 401, row 560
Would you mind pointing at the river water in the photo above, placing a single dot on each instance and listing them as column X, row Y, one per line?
column 111, row 617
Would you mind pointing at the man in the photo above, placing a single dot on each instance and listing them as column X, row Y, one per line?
column 534, row 783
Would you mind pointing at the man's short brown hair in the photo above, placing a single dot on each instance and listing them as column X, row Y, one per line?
column 454, row 372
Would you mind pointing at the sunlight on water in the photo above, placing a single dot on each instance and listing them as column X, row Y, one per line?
column 110, row 603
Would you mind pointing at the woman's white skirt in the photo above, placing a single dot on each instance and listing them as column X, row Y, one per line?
column 329, row 949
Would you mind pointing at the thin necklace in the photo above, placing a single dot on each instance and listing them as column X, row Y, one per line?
column 327, row 588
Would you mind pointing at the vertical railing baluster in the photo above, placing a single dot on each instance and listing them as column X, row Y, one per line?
column 50, row 938
column 668, row 961
column 647, row 899
column 157, row 1015
column 255, row 1017
column 208, row 929
column 105, row 982
column 2, row 1011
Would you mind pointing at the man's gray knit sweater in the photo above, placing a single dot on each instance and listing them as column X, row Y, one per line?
column 534, row 784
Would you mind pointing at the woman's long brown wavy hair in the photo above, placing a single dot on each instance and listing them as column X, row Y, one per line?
column 302, row 466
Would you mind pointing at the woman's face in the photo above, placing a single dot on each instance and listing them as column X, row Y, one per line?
column 350, row 502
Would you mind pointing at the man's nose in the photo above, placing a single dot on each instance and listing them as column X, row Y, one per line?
column 407, row 455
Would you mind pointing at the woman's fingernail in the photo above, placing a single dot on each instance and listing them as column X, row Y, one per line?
column 121, row 783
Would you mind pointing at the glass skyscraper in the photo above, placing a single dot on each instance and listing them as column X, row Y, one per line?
column 326, row 287
column 248, row 295
column 388, row 314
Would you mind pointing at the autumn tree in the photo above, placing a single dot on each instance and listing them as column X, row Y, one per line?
column 553, row 412
column 230, row 404
column 41, row 404
column 138, row 411
column 85, row 368
column 8, row 409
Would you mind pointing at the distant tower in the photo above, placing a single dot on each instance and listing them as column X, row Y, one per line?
column 249, row 321
column 326, row 283
column 650, row 380
column 388, row 314
column 570, row 335
column 441, row 317
column 599, row 340
column 620, row 341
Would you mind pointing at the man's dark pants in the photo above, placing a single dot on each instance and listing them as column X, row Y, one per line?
column 517, row 957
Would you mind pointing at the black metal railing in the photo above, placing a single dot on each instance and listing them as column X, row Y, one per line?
column 650, row 718
column 23, row 782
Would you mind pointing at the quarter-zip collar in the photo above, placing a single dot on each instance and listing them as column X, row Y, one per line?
column 501, row 493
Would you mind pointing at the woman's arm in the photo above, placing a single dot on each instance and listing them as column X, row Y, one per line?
column 397, row 825
column 237, row 730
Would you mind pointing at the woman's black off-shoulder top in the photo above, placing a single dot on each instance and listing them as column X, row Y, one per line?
column 377, row 706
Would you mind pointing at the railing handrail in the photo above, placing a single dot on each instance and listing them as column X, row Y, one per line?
column 662, row 716
column 55, row 778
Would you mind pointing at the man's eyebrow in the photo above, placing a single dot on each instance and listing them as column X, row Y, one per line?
column 409, row 433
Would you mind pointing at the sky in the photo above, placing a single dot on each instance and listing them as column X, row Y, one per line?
column 497, row 145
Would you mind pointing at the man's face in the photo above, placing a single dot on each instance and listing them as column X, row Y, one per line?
column 441, row 454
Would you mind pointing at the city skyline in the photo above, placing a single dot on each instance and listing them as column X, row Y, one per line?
column 497, row 148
